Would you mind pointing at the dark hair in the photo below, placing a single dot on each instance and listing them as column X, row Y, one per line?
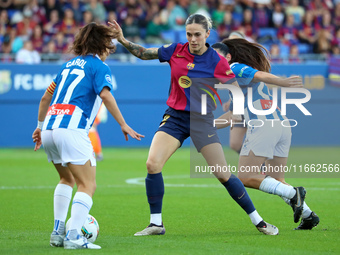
column 251, row 54
column 199, row 19
column 223, row 48
column 93, row 38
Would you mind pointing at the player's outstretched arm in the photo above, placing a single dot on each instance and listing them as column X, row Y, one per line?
column 43, row 108
column 292, row 81
column 137, row 50
column 112, row 107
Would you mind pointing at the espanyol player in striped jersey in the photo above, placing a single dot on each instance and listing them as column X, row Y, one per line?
column 269, row 143
column 76, row 95
column 191, row 61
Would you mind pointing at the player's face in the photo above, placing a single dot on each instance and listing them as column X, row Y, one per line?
column 197, row 36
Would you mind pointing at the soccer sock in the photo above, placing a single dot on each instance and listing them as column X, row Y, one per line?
column 306, row 211
column 272, row 186
column 155, row 191
column 81, row 206
column 239, row 194
column 156, row 218
column 286, row 200
column 61, row 202
column 255, row 218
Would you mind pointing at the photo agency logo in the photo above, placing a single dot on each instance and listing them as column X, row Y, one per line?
column 268, row 106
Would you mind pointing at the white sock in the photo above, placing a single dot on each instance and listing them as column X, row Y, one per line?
column 81, row 206
column 255, row 217
column 61, row 203
column 286, row 200
column 272, row 186
column 156, row 218
column 306, row 211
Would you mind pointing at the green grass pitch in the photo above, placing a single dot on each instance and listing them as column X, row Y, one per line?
column 199, row 215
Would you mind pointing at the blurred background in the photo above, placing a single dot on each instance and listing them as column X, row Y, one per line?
column 303, row 37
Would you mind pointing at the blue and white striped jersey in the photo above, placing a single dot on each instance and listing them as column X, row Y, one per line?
column 262, row 99
column 76, row 102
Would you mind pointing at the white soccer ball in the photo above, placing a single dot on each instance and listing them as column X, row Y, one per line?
column 90, row 228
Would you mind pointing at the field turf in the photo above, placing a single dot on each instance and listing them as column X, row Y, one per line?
column 199, row 215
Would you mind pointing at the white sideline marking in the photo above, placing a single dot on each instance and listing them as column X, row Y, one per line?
column 140, row 181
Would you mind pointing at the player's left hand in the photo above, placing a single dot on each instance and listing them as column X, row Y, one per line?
column 294, row 81
column 129, row 131
column 36, row 136
column 117, row 30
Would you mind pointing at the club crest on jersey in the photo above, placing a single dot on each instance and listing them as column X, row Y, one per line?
column 184, row 81
column 190, row 66
column 108, row 78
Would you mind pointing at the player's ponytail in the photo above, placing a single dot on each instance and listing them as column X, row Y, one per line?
column 251, row 54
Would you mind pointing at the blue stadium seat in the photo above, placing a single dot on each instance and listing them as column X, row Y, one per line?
column 268, row 31
column 304, row 48
column 284, row 50
column 213, row 37
column 169, row 35
column 182, row 36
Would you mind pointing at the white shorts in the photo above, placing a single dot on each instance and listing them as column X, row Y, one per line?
column 267, row 141
column 64, row 146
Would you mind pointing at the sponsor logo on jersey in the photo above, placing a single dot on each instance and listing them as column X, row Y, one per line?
column 61, row 109
column 229, row 72
column 190, row 66
column 167, row 45
column 184, row 81
column 266, row 104
column 180, row 56
column 242, row 70
column 5, row 81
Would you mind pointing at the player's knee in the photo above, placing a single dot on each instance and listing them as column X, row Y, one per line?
column 153, row 166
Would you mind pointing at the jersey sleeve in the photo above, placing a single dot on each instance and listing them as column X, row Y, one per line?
column 223, row 72
column 165, row 52
column 244, row 74
column 103, row 78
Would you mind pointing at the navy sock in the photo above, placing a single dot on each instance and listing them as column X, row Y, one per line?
column 238, row 192
column 155, row 191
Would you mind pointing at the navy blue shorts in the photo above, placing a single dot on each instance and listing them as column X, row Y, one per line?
column 182, row 124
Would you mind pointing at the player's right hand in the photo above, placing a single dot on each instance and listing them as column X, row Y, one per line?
column 36, row 136
column 129, row 131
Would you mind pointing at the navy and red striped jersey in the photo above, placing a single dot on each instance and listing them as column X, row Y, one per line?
column 193, row 75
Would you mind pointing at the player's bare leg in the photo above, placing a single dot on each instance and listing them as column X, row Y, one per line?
column 61, row 202
column 85, row 178
column 162, row 147
column 213, row 154
column 236, row 138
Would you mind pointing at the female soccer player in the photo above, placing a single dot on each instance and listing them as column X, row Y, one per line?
column 76, row 95
column 190, row 62
column 269, row 143
column 238, row 131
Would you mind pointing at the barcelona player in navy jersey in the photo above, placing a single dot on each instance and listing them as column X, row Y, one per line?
column 269, row 143
column 189, row 61
column 66, row 113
